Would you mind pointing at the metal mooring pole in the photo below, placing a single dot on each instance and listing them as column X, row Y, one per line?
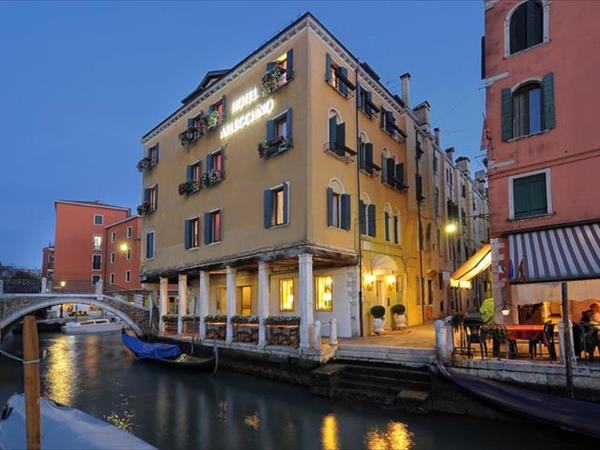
column 567, row 339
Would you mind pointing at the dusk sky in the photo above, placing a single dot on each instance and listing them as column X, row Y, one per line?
column 82, row 82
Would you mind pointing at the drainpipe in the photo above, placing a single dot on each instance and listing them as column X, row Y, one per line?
column 420, row 243
column 359, row 250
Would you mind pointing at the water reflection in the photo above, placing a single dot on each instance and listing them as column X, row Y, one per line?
column 329, row 433
column 395, row 437
column 187, row 410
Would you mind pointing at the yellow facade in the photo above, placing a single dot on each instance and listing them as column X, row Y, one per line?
column 365, row 270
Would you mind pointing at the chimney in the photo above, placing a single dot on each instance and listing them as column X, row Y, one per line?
column 405, row 79
column 437, row 132
column 422, row 111
column 464, row 164
column 450, row 153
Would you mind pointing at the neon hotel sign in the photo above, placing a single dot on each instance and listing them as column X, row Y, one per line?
column 240, row 104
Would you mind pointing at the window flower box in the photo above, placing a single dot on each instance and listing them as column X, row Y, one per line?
column 283, row 330
column 144, row 164
column 272, row 80
column 216, row 326
column 191, row 324
column 245, row 329
column 267, row 149
column 211, row 120
column 211, row 177
column 144, row 209
column 189, row 187
column 189, row 136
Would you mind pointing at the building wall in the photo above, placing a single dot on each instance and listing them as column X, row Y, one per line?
column 122, row 264
column 572, row 149
column 48, row 263
column 74, row 246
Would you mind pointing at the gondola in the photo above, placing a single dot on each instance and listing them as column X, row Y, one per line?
column 168, row 354
column 570, row 415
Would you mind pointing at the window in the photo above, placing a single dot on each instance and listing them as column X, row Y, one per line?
column 150, row 245
column 387, row 222
column 112, row 257
column 529, row 109
column 128, row 276
column 365, row 155
column 463, row 190
column 153, row 155
column 98, row 219
column 95, row 279
column 530, row 196
column 526, row 26
column 278, row 73
column 151, row 198
column 279, row 135
column 276, row 209
column 394, row 174
column 192, row 233
column 435, row 163
column 97, row 241
column 396, row 227
column 128, row 254
column 216, row 114
column 245, row 294
column 365, row 101
column 113, row 237
column 337, row 77
column 387, row 122
column 339, row 206
column 367, row 218
column 129, row 232
column 419, row 188
column 324, row 297
column 212, row 227
column 286, row 295
column 112, row 278
column 96, row 262
column 215, row 163
column 436, row 202
column 430, row 291
column 336, row 142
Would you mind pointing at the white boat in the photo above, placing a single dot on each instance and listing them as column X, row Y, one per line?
column 92, row 326
column 63, row 428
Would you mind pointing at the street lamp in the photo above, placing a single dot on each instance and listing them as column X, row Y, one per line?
column 451, row 228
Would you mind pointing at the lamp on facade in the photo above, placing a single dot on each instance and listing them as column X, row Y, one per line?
column 369, row 280
column 123, row 247
column 505, row 311
column 451, row 228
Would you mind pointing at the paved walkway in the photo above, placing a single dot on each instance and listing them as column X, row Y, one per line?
column 419, row 336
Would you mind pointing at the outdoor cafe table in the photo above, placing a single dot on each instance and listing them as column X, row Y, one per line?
column 531, row 333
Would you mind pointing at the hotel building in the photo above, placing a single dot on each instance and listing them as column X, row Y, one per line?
column 294, row 184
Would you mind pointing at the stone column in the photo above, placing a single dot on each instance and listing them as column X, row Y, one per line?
column 44, row 285
column 181, row 302
column 231, row 302
column 203, row 292
column 561, row 341
column 263, row 301
column 440, row 340
column 163, row 302
column 305, row 264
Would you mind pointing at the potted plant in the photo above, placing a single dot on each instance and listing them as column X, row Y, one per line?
column 378, row 313
column 399, row 317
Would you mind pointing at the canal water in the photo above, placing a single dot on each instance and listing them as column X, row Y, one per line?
column 182, row 410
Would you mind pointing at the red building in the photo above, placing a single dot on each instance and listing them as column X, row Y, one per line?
column 80, row 246
column 543, row 143
column 122, row 255
column 48, row 264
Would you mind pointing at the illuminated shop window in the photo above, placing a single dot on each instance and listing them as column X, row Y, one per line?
column 286, row 295
column 324, row 297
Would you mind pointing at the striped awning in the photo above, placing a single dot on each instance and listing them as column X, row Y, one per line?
column 567, row 253
column 480, row 261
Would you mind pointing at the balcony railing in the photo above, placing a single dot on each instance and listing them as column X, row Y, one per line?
column 146, row 163
column 268, row 149
column 339, row 150
column 145, row 208
column 211, row 177
column 273, row 80
column 189, row 136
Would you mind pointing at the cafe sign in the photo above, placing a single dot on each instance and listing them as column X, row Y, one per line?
column 246, row 119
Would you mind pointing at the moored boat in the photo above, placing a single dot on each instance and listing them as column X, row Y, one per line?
column 92, row 326
column 570, row 415
column 62, row 428
column 169, row 354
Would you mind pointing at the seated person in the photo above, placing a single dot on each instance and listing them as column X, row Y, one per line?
column 592, row 316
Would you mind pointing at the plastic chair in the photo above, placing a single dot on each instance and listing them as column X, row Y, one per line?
column 473, row 334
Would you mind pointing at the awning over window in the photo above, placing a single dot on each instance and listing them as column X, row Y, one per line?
column 568, row 253
column 481, row 260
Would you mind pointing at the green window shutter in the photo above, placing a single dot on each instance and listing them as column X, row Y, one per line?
column 286, row 193
column 268, row 208
column 372, row 214
column 223, row 115
column 328, row 63
column 340, row 139
column 362, row 214
column 187, row 231
column 396, row 230
column 190, row 173
column 146, row 195
column 329, row 207
column 290, row 64
column 548, row 101
column 288, row 126
column 332, row 130
column 359, row 99
column 369, row 157
column 207, row 228
column 342, row 85
column 346, row 211
column 270, row 130
column 386, row 223
column 507, row 119
column 530, row 196
column 210, row 162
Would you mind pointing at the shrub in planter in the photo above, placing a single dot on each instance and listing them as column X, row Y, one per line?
column 215, row 318
column 244, row 319
column 399, row 317
column 282, row 320
column 398, row 309
column 378, row 311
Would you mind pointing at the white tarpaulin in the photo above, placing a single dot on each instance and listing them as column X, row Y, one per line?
column 532, row 293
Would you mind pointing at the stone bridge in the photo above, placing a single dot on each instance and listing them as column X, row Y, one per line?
column 15, row 306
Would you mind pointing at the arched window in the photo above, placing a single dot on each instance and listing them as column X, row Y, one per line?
column 367, row 216
column 336, row 133
column 527, row 109
column 388, row 222
column 339, row 205
column 365, row 153
column 385, row 155
column 526, row 25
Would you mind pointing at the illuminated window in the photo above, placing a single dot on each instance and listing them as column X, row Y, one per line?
column 286, row 295
column 324, row 297
column 97, row 242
